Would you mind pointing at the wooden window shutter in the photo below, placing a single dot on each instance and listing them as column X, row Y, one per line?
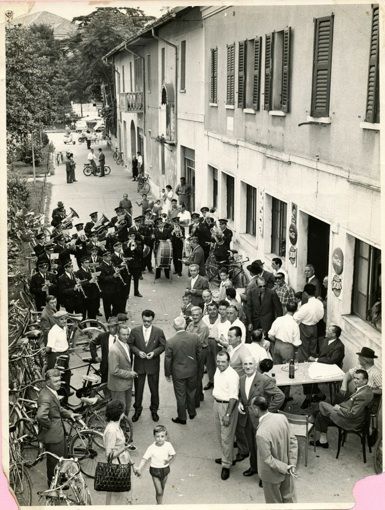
column 373, row 100
column 214, row 74
column 269, row 52
column 285, row 88
column 242, row 55
column 257, row 72
column 322, row 65
column 230, row 74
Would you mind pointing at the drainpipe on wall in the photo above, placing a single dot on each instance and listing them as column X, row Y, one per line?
column 143, row 84
column 176, row 78
column 105, row 61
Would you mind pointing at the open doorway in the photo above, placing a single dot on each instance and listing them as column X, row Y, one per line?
column 318, row 246
column 133, row 139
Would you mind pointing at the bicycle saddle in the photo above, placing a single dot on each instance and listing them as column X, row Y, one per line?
column 234, row 251
column 34, row 333
column 89, row 400
column 87, row 360
column 91, row 378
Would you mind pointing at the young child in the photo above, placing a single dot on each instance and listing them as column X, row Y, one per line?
column 160, row 453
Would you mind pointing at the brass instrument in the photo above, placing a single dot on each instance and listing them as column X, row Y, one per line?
column 117, row 272
column 177, row 231
column 94, row 279
column 66, row 222
column 100, row 223
column 132, row 245
column 79, row 284
column 47, row 285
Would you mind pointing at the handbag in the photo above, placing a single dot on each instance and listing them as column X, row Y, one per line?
column 111, row 477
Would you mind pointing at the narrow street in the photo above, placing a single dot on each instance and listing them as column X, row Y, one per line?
column 194, row 478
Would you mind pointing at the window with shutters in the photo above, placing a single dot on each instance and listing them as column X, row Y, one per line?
column 277, row 70
column 366, row 298
column 230, row 84
column 278, row 227
column 249, row 72
column 230, row 197
column 322, row 66
column 251, row 210
column 373, row 96
column 213, row 75
column 183, row 66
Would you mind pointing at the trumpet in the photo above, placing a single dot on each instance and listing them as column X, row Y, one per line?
column 117, row 271
column 132, row 245
column 79, row 284
column 177, row 231
column 94, row 279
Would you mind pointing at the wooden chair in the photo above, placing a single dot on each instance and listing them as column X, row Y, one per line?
column 301, row 427
column 375, row 407
column 362, row 432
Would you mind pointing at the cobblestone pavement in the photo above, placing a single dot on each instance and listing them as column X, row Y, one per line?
column 194, row 478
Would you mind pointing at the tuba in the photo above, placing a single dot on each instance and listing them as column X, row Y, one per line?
column 100, row 223
column 66, row 222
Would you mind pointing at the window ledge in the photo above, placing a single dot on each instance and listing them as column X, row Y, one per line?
column 213, row 104
column 248, row 110
column 229, row 107
column 365, row 329
column 370, row 125
column 277, row 113
column 182, row 91
column 319, row 120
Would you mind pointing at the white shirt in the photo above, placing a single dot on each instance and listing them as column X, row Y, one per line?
column 374, row 376
column 213, row 327
column 248, row 383
column 193, row 280
column 258, row 352
column 232, row 350
column 111, row 340
column 57, row 339
column 226, row 384
column 146, row 333
column 286, row 329
column 159, row 454
column 184, row 217
column 125, row 347
column 91, row 156
column 53, row 391
column 240, row 324
column 223, row 328
column 310, row 313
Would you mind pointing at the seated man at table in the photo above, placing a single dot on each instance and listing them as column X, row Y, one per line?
column 365, row 361
column 349, row 415
column 330, row 351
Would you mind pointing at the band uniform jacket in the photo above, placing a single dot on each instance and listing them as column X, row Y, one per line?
column 163, row 234
column 262, row 386
column 203, row 233
column 228, row 235
column 95, row 261
column 35, row 286
column 198, row 257
column 107, row 281
column 119, row 369
column 91, row 289
column 69, row 297
column 332, row 354
column 180, row 359
column 118, row 262
column 156, row 344
column 101, row 340
column 49, row 417
column 200, row 285
column 277, row 448
column 351, row 413
column 88, row 227
column 141, row 231
column 135, row 257
column 263, row 314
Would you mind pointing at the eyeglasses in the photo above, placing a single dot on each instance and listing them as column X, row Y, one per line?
column 261, row 286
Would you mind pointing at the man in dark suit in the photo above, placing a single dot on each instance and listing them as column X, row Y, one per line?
column 41, row 285
column 109, row 285
column 227, row 233
column 133, row 255
column 312, row 279
column 90, row 224
column 49, row 417
column 104, row 340
column 197, row 256
column 90, row 288
column 162, row 232
column 266, row 275
column 102, row 162
column 70, row 293
column 147, row 343
column 253, row 384
column 197, row 285
column 262, row 307
column 181, row 364
column 350, row 414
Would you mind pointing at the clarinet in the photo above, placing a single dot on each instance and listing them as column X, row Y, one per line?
column 117, row 271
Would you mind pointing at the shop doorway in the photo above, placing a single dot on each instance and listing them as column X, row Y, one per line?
column 133, row 139
column 318, row 246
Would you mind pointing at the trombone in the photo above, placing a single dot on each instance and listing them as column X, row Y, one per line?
column 117, row 271
column 79, row 284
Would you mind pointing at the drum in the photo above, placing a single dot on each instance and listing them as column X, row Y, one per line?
column 163, row 255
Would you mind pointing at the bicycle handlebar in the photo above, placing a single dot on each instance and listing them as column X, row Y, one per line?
column 19, row 390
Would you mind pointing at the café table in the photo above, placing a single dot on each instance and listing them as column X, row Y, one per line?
column 328, row 374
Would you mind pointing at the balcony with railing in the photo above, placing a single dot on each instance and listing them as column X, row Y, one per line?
column 131, row 102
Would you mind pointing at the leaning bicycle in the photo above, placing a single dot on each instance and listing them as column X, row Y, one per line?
column 118, row 157
column 19, row 478
column 143, row 183
column 68, row 487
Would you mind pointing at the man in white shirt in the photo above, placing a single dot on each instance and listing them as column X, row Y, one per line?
column 232, row 316
column 223, row 324
column 225, row 393
column 92, row 159
column 276, row 264
column 307, row 317
column 284, row 332
column 211, row 320
column 366, row 362
column 57, row 345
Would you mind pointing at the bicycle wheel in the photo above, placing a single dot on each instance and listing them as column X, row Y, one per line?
column 30, row 446
column 107, row 170
column 92, row 323
column 85, row 446
column 87, row 170
column 377, row 457
column 96, row 422
column 21, row 484
column 146, row 187
column 115, row 156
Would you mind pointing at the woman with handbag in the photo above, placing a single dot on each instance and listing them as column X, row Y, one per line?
column 115, row 476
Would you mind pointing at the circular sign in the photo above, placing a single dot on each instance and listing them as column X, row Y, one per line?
column 338, row 260
column 293, row 234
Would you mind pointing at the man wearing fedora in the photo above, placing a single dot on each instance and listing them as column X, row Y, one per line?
column 105, row 341
column 266, row 275
column 365, row 361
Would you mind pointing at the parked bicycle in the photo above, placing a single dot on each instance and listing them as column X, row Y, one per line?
column 118, row 157
column 143, row 183
column 92, row 170
column 68, row 487
column 234, row 265
column 19, row 477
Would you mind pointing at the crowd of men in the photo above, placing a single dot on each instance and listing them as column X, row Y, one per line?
column 234, row 338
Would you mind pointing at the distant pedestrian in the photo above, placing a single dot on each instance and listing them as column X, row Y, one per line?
column 102, row 161
column 68, row 168
column 92, row 159
column 88, row 139
column 134, row 168
column 72, row 167
column 140, row 163
column 277, row 450
column 183, row 191
column 160, row 454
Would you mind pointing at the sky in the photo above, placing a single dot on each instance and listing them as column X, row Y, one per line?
column 74, row 8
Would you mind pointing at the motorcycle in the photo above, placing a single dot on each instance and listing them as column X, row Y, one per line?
column 68, row 140
column 92, row 170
